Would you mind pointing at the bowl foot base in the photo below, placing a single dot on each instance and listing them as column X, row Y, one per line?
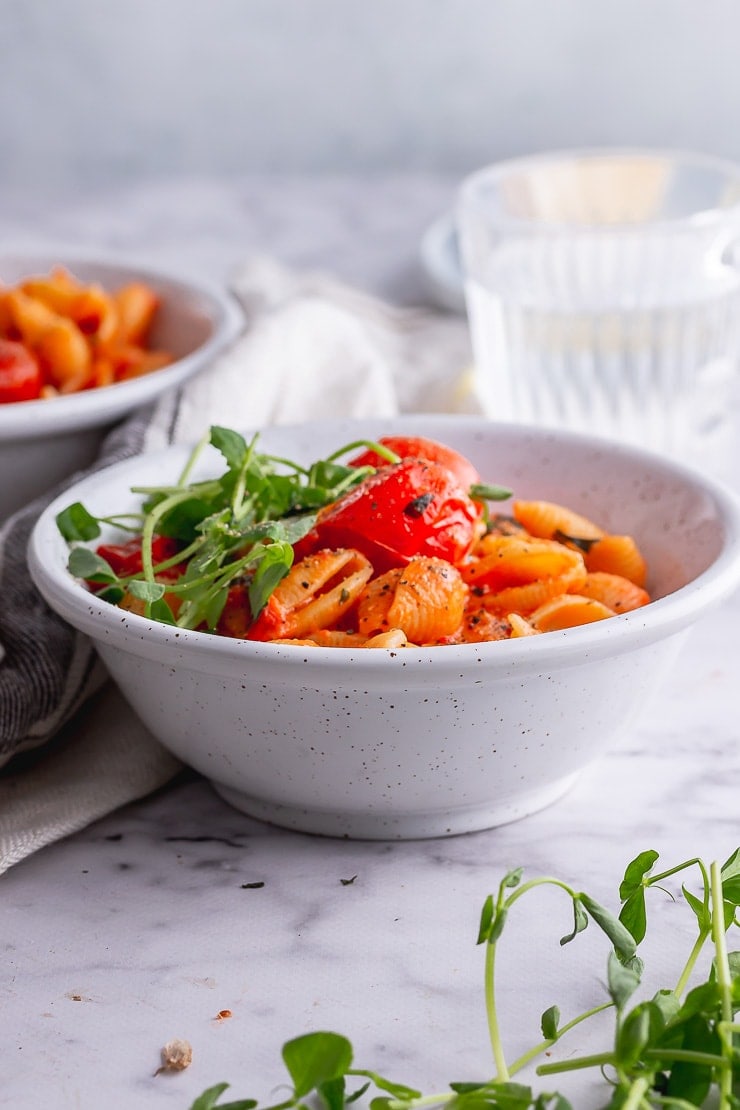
column 404, row 826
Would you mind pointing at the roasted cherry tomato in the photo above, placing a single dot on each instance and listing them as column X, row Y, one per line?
column 236, row 615
column 411, row 508
column 125, row 558
column 416, row 447
column 20, row 375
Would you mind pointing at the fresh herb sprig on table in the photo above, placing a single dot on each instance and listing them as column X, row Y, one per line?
column 675, row 1049
column 243, row 523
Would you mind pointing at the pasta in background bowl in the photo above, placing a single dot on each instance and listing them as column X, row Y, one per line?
column 417, row 741
column 43, row 441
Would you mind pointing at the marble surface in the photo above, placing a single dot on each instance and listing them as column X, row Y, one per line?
column 146, row 925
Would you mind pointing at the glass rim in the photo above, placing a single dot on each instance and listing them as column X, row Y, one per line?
column 701, row 218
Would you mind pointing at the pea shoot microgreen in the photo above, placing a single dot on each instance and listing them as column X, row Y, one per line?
column 239, row 527
column 677, row 1049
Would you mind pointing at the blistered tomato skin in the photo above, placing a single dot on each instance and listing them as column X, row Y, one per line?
column 417, row 447
column 20, row 375
column 410, row 508
column 125, row 558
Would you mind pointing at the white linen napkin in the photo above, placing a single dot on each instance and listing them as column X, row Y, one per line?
column 312, row 348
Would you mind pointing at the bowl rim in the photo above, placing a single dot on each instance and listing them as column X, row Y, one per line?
column 23, row 420
column 703, row 217
column 201, row 651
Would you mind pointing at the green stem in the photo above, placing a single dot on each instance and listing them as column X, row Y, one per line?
column 532, row 883
column 674, row 1103
column 502, row 1071
column 680, row 867
column 637, row 1093
column 194, row 455
column 368, row 444
column 724, row 979
column 690, row 963
column 538, row 1049
column 425, row 1100
column 147, row 533
column 595, row 1060
column 684, row 1056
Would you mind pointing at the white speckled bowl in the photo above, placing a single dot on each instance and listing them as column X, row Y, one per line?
column 421, row 742
column 42, row 442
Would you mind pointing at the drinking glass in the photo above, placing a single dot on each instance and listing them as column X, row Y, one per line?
column 603, row 294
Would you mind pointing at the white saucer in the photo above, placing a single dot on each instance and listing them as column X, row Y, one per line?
column 440, row 261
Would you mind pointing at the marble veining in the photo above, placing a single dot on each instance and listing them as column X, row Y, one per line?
column 144, row 926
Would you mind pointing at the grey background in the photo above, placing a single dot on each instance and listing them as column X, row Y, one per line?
column 114, row 91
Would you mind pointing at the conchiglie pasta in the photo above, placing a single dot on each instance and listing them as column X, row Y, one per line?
column 547, row 519
column 617, row 555
column 426, row 599
column 568, row 611
column 618, row 593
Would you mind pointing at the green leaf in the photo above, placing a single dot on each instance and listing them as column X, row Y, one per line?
column 238, row 1104
column 668, row 1004
column 580, row 922
column 731, row 867
column 275, row 561
column 398, row 1090
column 111, row 594
column 480, row 491
column 315, row 1058
column 552, row 1102
column 549, row 1023
column 691, row 1081
column 160, row 611
column 731, row 890
column 622, row 981
column 486, row 920
column 636, row 871
column 702, row 911
column 146, row 591
column 702, row 999
column 332, row 1093
column 497, row 926
column 77, row 524
column 513, row 1096
column 289, row 530
column 209, row 1099
column 633, row 1036
column 357, row 1094
column 621, row 938
column 182, row 521
column 232, row 446
column 512, row 878
column 506, row 1096
column 633, row 915
column 84, row 563
column 213, row 606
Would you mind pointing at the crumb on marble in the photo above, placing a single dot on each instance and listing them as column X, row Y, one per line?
column 176, row 1056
